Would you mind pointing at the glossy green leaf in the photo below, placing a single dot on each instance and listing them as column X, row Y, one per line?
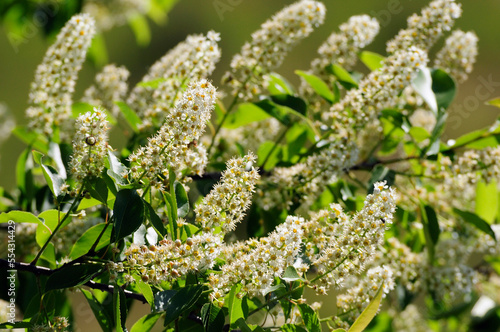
column 116, row 169
column 277, row 84
column 431, row 230
column 119, row 309
column 53, row 179
column 87, row 240
column 476, row 221
column 273, row 288
column 318, row 85
column 48, row 223
column 237, row 307
column 71, row 276
column 419, row 134
column 181, row 199
column 100, row 314
column 55, row 154
column 291, row 274
column 487, row 200
column 310, row 318
column 212, row 317
column 153, row 84
column 175, row 301
column 369, row 313
column 444, row 88
column 245, row 114
column 129, row 213
column 145, row 323
column 265, row 149
column 295, row 103
column 19, row 217
column 343, row 76
column 145, row 290
column 154, row 219
column 97, row 189
column 372, row 60
column 422, row 83
column 129, row 115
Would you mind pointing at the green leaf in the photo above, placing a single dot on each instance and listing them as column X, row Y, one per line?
column 295, row 103
column 369, row 313
column 153, row 84
column 444, row 88
column 318, row 85
column 145, row 323
column 237, row 307
column 372, row 60
column 140, row 27
column 145, row 290
column 119, row 309
column 116, row 169
column 381, row 173
column 277, row 85
column 71, row 276
column 280, row 113
column 310, row 318
column 55, row 154
column 343, row 76
column 292, row 328
column 494, row 102
column 422, row 83
column 419, row 134
column 31, row 138
column 431, row 230
column 128, row 213
column 487, row 200
column 87, row 240
column 175, row 301
column 245, row 114
column 212, row 317
column 154, row 219
column 264, row 150
column 53, row 179
column 99, row 312
column 181, row 199
column 98, row 189
column 273, row 289
column 290, row 274
column 242, row 324
column 19, row 217
column 48, row 223
column 97, row 51
column 476, row 221
column 129, row 115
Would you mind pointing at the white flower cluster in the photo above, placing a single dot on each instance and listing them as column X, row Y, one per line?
column 167, row 149
column 57, row 324
column 110, row 86
column 458, row 55
column 406, row 265
column 379, row 90
column 193, row 59
column 226, row 203
column 342, row 48
column 51, row 92
column 424, row 30
column 410, row 320
column 360, row 292
column 270, row 44
column 474, row 165
column 259, row 262
column 340, row 246
column 90, row 145
column 111, row 13
column 170, row 260
column 302, row 183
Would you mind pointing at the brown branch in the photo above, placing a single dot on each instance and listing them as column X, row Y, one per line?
column 40, row 270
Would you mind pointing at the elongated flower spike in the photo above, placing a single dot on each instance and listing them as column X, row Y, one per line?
column 52, row 90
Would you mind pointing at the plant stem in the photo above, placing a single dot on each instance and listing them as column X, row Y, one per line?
column 59, row 224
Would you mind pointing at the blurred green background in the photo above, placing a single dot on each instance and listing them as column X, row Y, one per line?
column 235, row 23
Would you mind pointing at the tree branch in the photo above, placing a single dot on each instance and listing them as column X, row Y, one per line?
column 40, row 270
